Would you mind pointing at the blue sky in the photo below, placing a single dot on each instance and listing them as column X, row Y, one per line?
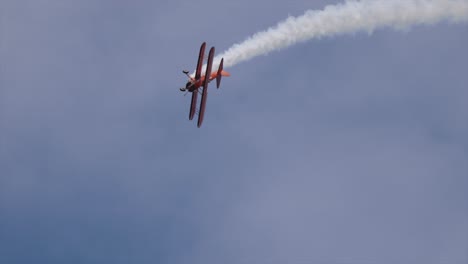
column 342, row 150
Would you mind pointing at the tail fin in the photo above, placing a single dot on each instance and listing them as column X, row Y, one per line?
column 219, row 74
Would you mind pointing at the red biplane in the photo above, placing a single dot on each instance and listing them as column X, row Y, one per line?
column 195, row 83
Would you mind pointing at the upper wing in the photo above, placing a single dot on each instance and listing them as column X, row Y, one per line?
column 219, row 74
column 200, row 61
column 205, row 86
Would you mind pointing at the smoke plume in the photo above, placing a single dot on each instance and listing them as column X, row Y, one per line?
column 348, row 17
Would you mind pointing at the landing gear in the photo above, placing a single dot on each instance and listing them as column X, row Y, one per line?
column 187, row 73
column 182, row 89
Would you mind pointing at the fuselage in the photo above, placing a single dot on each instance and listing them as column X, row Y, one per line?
column 193, row 84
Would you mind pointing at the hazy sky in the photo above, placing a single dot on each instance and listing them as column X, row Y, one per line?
column 344, row 150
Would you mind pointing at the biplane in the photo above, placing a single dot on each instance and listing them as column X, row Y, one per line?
column 199, row 82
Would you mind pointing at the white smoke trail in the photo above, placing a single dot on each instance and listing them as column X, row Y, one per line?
column 348, row 17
